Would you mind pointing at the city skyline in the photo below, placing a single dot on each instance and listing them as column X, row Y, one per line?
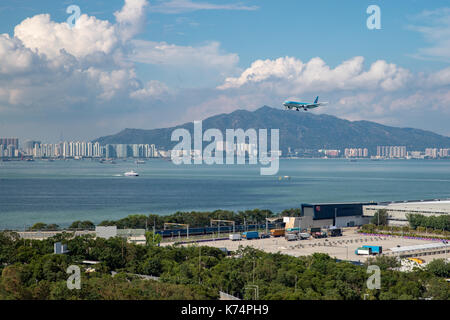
column 141, row 64
column 89, row 149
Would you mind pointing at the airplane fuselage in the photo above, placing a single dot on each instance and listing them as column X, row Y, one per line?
column 300, row 105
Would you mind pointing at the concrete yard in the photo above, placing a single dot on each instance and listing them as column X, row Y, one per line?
column 339, row 247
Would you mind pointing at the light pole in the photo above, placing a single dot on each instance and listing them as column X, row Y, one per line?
column 254, row 270
column 199, row 259
column 335, row 216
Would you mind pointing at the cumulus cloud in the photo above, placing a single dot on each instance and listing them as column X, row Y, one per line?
column 47, row 64
column 131, row 18
column 182, row 6
column 89, row 36
column 14, row 57
column 381, row 91
column 63, row 74
column 289, row 75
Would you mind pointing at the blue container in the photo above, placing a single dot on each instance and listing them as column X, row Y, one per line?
column 250, row 235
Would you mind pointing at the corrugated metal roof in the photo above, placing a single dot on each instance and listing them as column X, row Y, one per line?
column 420, row 247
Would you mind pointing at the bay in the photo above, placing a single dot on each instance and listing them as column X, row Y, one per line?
column 64, row 191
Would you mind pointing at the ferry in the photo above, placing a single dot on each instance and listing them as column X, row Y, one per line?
column 131, row 174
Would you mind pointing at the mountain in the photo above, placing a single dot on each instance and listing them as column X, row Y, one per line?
column 298, row 130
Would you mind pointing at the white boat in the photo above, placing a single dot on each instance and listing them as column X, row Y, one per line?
column 131, row 174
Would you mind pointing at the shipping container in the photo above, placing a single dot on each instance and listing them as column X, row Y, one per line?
column 277, row 232
column 375, row 249
column 235, row 236
column 250, row 235
column 363, row 251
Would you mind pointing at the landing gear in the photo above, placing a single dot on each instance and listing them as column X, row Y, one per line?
column 298, row 110
column 305, row 109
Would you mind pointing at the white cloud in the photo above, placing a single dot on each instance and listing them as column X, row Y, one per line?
column 89, row 36
column 152, row 89
column 288, row 75
column 162, row 53
column 47, row 65
column 434, row 25
column 182, row 6
column 202, row 65
column 86, row 76
column 14, row 57
column 131, row 18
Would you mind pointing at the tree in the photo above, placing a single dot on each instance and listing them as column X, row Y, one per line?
column 83, row 225
column 43, row 226
column 293, row 212
column 38, row 226
column 380, row 218
column 384, row 262
column 439, row 267
column 152, row 239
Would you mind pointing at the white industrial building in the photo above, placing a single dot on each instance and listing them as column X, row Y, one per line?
column 397, row 211
column 136, row 236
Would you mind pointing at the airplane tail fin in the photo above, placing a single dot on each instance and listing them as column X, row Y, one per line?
column 317, row 99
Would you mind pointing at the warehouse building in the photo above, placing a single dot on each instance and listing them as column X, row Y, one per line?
column 330, row 214
column 397, row 211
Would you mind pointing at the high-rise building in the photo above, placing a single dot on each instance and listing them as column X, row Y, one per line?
column 9, row 142
column 391, row 151
column 356, row 152
column 431, row 153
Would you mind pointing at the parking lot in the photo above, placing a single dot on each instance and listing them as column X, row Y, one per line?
column 342, row 247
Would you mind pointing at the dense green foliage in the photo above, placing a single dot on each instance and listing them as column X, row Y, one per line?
column 40, row 226
column 82, row 225
column 441, row 222
column 29, row 270
column 439, row 267
column 405, row 231
column 293, row 212
column 194, row 218
column 380, row 217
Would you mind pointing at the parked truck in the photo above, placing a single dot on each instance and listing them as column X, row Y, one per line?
column 291, row 236
column 375, row 249
column 304, row 236
column 335, row 232
column 277, row 232
column 319, row 234
column 363, row 251
column 249, row 235
column 235, row 236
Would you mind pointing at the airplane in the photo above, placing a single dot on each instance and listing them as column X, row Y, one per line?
column 305, row 105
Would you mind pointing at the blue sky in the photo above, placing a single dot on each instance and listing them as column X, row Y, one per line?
column 168, row 62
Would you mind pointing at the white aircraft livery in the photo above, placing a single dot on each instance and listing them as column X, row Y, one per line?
column 303, row 105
